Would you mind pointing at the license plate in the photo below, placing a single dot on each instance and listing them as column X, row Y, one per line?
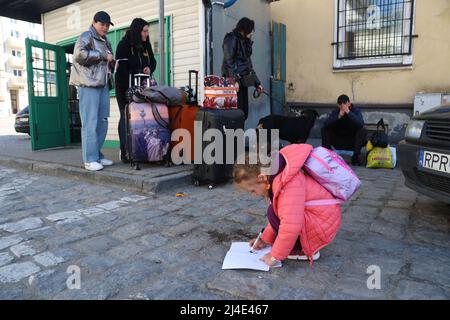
column 435, row 161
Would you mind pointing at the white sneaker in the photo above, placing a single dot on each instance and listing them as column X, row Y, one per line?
column 303, row 257
column 93, row 166
column 105, row 162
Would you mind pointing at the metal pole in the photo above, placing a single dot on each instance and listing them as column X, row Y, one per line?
column 162, row 60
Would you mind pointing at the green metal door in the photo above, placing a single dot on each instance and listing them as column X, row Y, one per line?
column 278, row 80
column 47, row 94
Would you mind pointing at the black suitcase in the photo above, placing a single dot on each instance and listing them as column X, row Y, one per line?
column 216, row 119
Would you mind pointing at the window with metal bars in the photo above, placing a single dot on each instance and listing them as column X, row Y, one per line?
column 374, row 29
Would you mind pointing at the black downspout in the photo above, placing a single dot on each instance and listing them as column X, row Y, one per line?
column 209, row 36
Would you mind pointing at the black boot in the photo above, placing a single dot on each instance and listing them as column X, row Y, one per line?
column 124, row 157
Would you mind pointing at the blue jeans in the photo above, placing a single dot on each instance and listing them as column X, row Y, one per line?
column 94, row 113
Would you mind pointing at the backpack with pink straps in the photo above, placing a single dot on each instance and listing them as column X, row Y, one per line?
column 333, row 173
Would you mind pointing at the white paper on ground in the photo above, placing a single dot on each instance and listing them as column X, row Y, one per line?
column 240, row 257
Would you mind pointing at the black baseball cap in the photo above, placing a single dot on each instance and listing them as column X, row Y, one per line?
column 104, row 17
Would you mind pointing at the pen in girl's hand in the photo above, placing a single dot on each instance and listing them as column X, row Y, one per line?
column 256, row 241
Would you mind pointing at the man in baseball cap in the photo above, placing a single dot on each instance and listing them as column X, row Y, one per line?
column 103, row 17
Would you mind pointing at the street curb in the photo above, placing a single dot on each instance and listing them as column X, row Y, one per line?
column 105, row 178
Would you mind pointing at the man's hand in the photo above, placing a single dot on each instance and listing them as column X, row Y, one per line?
column 237, row 85
column 147, row 70
column 267, row 259
column 260, row 89
column 343, row 110
column 260, row 245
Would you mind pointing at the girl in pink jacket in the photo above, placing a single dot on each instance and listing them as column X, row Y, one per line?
column 295, row 231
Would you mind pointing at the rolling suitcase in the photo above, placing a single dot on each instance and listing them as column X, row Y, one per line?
column 217, row 119
column 183, row 116
column 148, row 132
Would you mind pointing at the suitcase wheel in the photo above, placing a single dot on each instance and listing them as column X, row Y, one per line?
column 210, row 187
column 196, row 182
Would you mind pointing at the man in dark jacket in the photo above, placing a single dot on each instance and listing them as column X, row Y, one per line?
column 237, row 62
column 344, row 129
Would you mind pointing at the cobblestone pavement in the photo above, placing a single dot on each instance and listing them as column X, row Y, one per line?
column 128, row 246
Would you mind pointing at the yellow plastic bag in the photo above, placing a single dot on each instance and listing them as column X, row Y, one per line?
column 380, row 158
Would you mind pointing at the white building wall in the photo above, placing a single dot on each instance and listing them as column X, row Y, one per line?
column 70, row 21
column 25, row 29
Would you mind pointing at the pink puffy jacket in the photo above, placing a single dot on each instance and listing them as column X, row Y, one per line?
column 316, row 226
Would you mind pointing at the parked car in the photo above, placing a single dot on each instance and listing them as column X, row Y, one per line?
column 424, row 155
column 22, row 123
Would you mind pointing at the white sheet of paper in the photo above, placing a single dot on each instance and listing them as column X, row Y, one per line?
column 240, row 257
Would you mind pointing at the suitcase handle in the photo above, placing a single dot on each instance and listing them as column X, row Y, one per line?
column 137, row 76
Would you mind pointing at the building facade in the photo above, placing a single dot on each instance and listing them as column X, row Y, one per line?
column 13, row 84
column 379, row 52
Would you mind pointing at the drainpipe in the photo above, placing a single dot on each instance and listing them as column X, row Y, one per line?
column 162, row 60
column 209, row 36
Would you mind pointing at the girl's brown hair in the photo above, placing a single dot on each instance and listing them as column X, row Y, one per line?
column 246, row 169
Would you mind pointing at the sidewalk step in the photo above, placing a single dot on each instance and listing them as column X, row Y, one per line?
column 130, row 182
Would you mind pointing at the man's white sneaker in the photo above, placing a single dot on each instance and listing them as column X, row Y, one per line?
column 93, row 166
column 302, row 257
column 106, row 162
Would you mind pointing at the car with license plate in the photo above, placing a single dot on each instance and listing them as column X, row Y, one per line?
column 424, row 155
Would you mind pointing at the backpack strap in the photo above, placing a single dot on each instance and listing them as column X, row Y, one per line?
column 325, row 202
column 158, row 117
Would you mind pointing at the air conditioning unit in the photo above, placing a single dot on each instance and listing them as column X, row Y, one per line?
column 427, row 101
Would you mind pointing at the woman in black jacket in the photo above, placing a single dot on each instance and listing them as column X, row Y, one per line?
column 136, row 48
column 237, row 63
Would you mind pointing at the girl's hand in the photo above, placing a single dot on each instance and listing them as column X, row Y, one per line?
column 236, row 85
column 260, row 89
column 260, row 245
column 267, row 259
column 147, row 70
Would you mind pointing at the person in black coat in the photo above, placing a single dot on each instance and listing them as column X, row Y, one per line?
column 136, row 48
column 237, row 63
column 344, row 129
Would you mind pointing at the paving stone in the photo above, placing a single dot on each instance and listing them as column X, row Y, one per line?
column 112, row 205
column 96, row 264
column 25, row 249
column 433, row 237
column 388, row 229
column 17, row 271
column 153, row 240
column 180, row 229
column 92, row 212
column 5, row 258
column 48, row 259
column 250, row 285
column 67, row 216
column 22, row 225
column 97, row 244
column 399, row 204
column 413, row 290
column 127, row 250
column 132, row 230
column 356, row 285
column 48, row 283
column 8, row 241
column 395, row 215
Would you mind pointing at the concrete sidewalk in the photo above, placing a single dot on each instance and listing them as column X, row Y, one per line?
column 15, row 151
